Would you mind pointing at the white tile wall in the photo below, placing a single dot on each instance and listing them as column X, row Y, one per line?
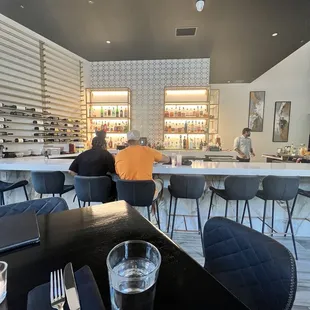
column 147, row 80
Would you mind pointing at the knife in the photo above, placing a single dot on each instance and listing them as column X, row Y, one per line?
column 70, row 288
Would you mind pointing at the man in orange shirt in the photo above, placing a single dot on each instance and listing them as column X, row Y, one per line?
column 136, row 161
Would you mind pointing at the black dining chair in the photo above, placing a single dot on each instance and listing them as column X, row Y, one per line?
column 138, row 194
column 39, row 206
column 186, row 187
column 50, row 182
column 93, row 189
column 237, row 188
column 6, row 186
column 279, row 188
column 258, row 270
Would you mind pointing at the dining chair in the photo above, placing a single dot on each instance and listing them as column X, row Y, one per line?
column 258, row 270
column 39, row 206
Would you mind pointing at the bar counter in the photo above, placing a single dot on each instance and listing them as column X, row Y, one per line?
column 14, row 169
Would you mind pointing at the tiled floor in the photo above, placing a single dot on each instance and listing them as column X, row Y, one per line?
column 190, row 242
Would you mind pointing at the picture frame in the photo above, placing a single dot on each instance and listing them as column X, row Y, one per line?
column 281, row 121
column 256, row 111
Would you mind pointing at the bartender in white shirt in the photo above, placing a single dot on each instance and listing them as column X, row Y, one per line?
column 243, row 146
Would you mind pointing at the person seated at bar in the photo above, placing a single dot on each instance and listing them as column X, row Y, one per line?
column 95, row 162
column 136, row 162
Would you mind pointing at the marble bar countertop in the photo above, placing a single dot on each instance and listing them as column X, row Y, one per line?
column 198, row 167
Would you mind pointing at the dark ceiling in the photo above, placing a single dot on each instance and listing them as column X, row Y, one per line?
column 235, row 34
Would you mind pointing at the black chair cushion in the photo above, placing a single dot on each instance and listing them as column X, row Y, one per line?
column 255, row 268
column 187, row 186
column 260, row 194
column 302, row 192
column 5, row 186
column 40, row 206
column 220, row 192
column 67, row 188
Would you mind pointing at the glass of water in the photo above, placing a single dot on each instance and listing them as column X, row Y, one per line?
column 133, row 270
column 3, row 280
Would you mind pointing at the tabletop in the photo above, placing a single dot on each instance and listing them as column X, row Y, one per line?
column 85, row 237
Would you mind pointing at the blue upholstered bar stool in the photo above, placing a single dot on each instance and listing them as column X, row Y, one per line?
column 186, row 187
column 279, row 188
column 93, row 189
column 237, row 188
column 39, row 206
column 258, row 270
column 138, row 194
column 5, row 186
column 46, row 182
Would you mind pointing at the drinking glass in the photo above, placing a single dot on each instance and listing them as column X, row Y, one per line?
column 133, row 268
column 173, row 159
column 3, row 280
column 179, row 160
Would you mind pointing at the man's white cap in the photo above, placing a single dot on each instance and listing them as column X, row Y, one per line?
column 133, row 135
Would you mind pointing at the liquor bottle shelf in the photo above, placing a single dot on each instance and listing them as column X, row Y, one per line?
column 110, row 118
column 185, row 133
column 187, row 118
column 110, row 132
column 108, row 103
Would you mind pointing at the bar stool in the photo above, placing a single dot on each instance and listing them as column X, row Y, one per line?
column 5, row 186
column 93, row 189
column 237, row 188
column 187, row 187
column 279, row 188
column 138, row 194
column 46, row 182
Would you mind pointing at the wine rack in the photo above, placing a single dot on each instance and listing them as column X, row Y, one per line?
column 108, row 109
column 187, row 117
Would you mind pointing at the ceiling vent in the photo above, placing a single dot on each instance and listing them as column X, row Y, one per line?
column 185, row 32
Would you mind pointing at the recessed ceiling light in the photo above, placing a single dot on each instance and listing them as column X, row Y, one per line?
column 22, row 7
column 91, row 2
column 108, row 42
column 274, row 34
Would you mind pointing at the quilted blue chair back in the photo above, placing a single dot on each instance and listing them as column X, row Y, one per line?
column 39, row 206
column 257, row 269
column 48, row 182
column 241, row 187
column 93, row 189
column 136, row 193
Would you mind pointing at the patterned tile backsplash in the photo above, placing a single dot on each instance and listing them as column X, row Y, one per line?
column 147, row 80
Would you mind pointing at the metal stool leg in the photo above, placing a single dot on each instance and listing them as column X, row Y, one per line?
column 79, row 202
column 25, row 192
column 292, row 230
column 157, row 211
column 249, row 212
column 1, row 198
column 211, row 200
column 148, row 213
column 175, row 209
column 237, row 211
column 199, row 226
column 53, row 195
column 272, row 218
column 226, row 208
column 264, row 216
column 41, row 196
column 292, row 210
column 84, row 203
column 89, row 203
column 168, row 225
column 243, row 213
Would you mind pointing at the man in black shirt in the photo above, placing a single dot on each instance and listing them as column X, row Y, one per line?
column 94, row 162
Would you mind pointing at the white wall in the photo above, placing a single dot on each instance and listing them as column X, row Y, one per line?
column 287, row 81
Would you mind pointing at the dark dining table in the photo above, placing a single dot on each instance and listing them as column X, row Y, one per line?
column 85, row 237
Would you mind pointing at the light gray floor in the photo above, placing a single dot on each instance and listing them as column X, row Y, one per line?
column 190, row 242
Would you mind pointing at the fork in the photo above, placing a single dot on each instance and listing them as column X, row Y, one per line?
column 57, row 290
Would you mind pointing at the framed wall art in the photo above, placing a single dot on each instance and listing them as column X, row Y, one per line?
column 256, row 111
column 281, row 123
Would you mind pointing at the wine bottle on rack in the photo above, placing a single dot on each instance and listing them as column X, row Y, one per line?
column 117, row 112
column 109, row 111
column 125, row 112
column 113, row 112
column 101, row 111
column 121, row 114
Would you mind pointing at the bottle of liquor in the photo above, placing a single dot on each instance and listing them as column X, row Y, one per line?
column 117, row 112
column 166, row 112
column 180, row 142
column 113, row 112
column 110, row 144
column 101, row 111
column 201, row 112
column 125, row 112
column 179, row 112
column 105, row 127
column 121, row 113
column 183, row 112
column 201, row 145
column 109, row 111
column 176, row 111
column 105, row 112
column 171, row 113
column 184, row 143
column 90, row 111
column 166, row 127
column 197, row 112
column 185, row 127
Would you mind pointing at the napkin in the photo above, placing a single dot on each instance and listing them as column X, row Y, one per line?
column 89, row 295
